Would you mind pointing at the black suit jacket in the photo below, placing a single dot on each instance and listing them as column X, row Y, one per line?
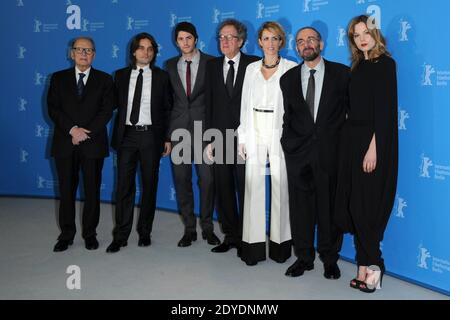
column 91, row 111
column 222, row 111
column 185, row 111
column 301, row 136
column 160, row 103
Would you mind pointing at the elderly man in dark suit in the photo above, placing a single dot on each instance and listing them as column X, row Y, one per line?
column 140, row 136
column 315, row 100
column 187, row 76
column 224, row 80
column 80, row 104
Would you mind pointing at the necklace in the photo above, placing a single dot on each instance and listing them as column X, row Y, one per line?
column 272, row 65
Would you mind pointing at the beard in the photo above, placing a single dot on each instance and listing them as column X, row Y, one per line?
column 311, row 56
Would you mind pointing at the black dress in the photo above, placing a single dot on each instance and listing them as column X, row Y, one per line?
column 365, row 200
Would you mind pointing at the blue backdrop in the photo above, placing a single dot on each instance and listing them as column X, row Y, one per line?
column 35, row 36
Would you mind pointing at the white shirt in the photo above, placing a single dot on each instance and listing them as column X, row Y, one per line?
column 77, row 74
column 182, row 67
column 85, row 79
column 263, row 93
column 145, row 109
column 318, row 79
column 226, row 66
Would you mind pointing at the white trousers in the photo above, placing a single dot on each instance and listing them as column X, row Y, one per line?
column 254, row 222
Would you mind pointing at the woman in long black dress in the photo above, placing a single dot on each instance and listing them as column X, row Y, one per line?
column 368, row 178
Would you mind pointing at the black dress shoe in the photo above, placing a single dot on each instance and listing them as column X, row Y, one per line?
column 187, row 239
column 62, row 245
column 251, row 262
column 115, row 246
column 224, row 247
column 298, row 268
column 211, row 238
column 91, row 243
column 144, row 241
column 331, row 271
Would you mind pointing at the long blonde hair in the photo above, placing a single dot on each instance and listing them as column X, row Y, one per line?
column 380, row 42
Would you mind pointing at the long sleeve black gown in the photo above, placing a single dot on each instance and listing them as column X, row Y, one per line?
column 365, row 200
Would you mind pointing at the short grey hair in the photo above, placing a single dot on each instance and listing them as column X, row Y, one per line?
column 83, row 38
column 239, row 26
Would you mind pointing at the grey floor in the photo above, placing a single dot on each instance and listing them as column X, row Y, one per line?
column 30, row 270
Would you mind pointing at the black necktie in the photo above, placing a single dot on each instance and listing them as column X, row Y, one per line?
column 188, row 78
column 230, row 78
column 80, row 84
column 310, row 92
column 134, row 117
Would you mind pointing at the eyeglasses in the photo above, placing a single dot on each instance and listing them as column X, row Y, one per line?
column 227, row 37
column 274, row 39
column 80, row 50
column 310, row 40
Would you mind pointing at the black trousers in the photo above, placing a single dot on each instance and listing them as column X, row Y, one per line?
column 182, row 174
column 311, row 202
column 68, row 170
column 142, row 148
column 230, row 187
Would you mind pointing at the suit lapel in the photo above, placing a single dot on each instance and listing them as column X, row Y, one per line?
column 221, row 75
column 123, row 86
column 299, row 75
column 326, row 86
column 297, row 87
column 178, row 85
column 241, row 73
column 90, row 83
column 126, row 86
column 72, row 78
column 200, row 75
column 153, row 88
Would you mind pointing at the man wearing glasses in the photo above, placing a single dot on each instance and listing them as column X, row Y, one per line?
column 315, row 102
column 224, row 79
column 80, row 103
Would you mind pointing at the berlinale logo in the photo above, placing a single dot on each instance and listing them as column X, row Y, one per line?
column 425, row 166
column 37, row 25
column 172, row 194
column 22, row 104
column 290, row 41
column 23, row 156
column 173, row 20
column 404, row 27
column 424, row 254
column 402, row 116
column 39, row 79
column 428, row 70
column 306, row 7
column 341, row 37
column 130, row 22
column 401, row 204
column 115, row 49
column 259, row 10
column 21, row 52
column 216, row 14
column 201, row 45
column 39, row 131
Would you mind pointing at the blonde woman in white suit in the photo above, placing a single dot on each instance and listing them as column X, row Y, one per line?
column 259, row 136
